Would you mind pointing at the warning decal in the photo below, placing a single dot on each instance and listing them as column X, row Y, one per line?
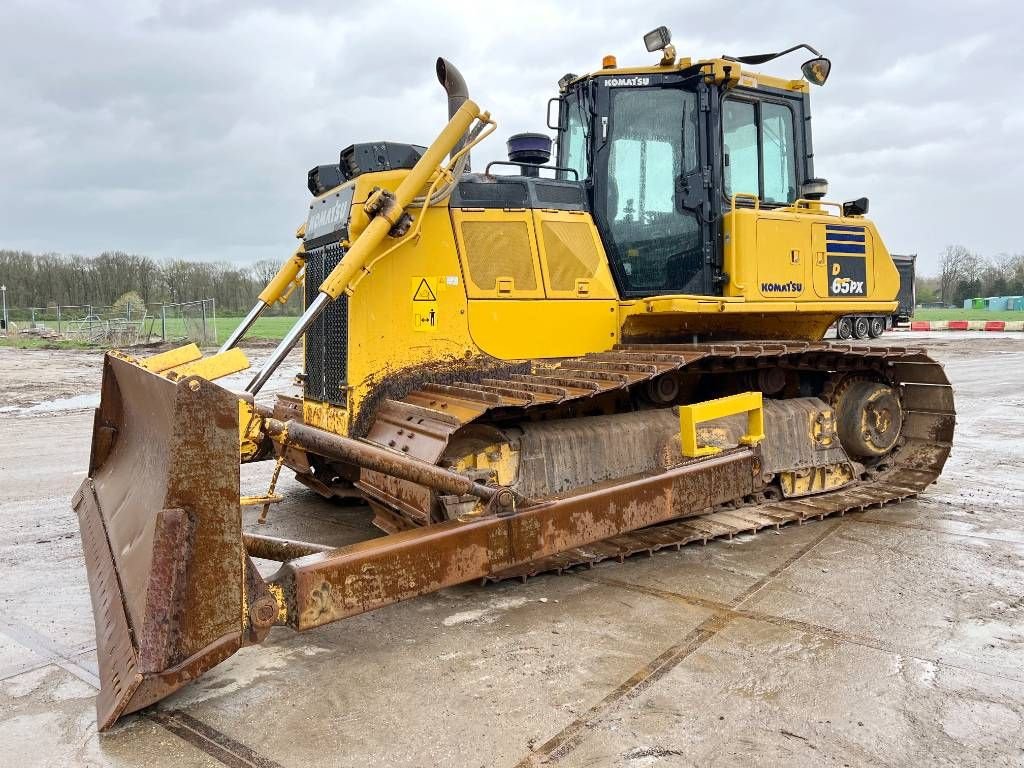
column 424, row 291
column 424, row 304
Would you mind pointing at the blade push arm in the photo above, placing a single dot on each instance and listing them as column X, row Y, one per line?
column 278, row 289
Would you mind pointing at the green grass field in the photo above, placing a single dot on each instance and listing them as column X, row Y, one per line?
column 28, row 342
column 965, row 314
column 265, row 329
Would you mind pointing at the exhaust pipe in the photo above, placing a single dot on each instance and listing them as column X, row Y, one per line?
column 454, row 85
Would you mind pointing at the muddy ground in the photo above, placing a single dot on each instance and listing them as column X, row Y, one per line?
column 891, row 637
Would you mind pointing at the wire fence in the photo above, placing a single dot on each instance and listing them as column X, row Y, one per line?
column 126, row 326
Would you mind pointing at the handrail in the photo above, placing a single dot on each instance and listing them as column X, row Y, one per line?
column 691, row 415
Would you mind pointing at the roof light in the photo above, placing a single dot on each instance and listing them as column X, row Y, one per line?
column 609, row 62
column 657, row 39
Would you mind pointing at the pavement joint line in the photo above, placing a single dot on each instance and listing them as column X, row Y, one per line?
column 728, row 610
column 570, row 737
column 13, row 670
column 217, row 745
column 43, row 647
column 778, row 570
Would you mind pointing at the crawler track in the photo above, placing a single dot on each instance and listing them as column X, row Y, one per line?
column 422, row 423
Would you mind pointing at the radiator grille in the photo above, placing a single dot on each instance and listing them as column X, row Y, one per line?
column 559, row 193
column 499, row 249
column 326, row 350
column 570, row 252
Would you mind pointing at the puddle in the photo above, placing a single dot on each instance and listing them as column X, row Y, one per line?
column 78, row 402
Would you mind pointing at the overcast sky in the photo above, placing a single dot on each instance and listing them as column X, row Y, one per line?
column 186, row 129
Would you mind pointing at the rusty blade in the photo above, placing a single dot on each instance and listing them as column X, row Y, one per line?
column 161, row 528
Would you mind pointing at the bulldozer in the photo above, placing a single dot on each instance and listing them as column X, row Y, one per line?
column 607, row 344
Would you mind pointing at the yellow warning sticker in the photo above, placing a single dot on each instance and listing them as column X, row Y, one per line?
column 424, row 304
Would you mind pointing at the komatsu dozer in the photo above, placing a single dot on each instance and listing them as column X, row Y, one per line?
column 527, row 369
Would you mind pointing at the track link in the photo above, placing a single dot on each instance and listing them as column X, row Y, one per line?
column 423, row 422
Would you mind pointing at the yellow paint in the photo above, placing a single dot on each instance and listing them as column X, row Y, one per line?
column 281, row 286
column 811, row 480
column 709, row 410
column 250, row 427
column 720, row 71
column 212, row 367
column 515, row 329
column 370, row 239
column 759, row 246
column 481, row 234
column 282, row 604
column 171, row 358
column 258, row 501
column 572, row 259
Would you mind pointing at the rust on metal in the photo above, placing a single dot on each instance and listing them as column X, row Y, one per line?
column 273, row 548
column 326, row 587
column 369, row 456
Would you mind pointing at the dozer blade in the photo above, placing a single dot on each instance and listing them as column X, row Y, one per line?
column 161, row 529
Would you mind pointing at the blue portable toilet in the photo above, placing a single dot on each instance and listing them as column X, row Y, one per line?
column 997, row 303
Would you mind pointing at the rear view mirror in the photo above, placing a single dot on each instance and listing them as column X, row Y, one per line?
column 816, row 70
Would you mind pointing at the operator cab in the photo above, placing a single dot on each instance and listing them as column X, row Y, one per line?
column 664, row 151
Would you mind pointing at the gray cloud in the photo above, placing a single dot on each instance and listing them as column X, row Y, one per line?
column 185, row 129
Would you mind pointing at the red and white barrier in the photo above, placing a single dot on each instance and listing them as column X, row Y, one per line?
column 967, row 325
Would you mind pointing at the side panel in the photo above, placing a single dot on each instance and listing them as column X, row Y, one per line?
column 537, row 281
column 516, row 329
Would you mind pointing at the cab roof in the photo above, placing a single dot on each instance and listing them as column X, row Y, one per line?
column 720, row 71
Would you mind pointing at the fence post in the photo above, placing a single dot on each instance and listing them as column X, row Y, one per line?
column 202, row 305
column 213, row 311
column 163, row 322
column 58, row 319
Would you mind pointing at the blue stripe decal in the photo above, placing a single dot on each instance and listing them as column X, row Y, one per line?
column 844, row 248
column 836, row 237
column 842, row 228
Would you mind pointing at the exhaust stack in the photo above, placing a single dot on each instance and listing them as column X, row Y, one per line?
column 455, row 86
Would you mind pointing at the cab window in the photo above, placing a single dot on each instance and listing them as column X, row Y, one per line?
column 760, row 152
column 574, row 138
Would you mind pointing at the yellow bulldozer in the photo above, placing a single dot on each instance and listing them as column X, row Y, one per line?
column 520, row 370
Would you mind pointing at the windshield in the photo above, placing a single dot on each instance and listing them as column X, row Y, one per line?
column 652, row 146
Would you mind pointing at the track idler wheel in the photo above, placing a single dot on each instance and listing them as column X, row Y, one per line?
column 869, row 418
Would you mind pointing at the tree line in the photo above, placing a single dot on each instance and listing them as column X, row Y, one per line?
column 964, row 274
column 47, row 279
column 43, row 280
